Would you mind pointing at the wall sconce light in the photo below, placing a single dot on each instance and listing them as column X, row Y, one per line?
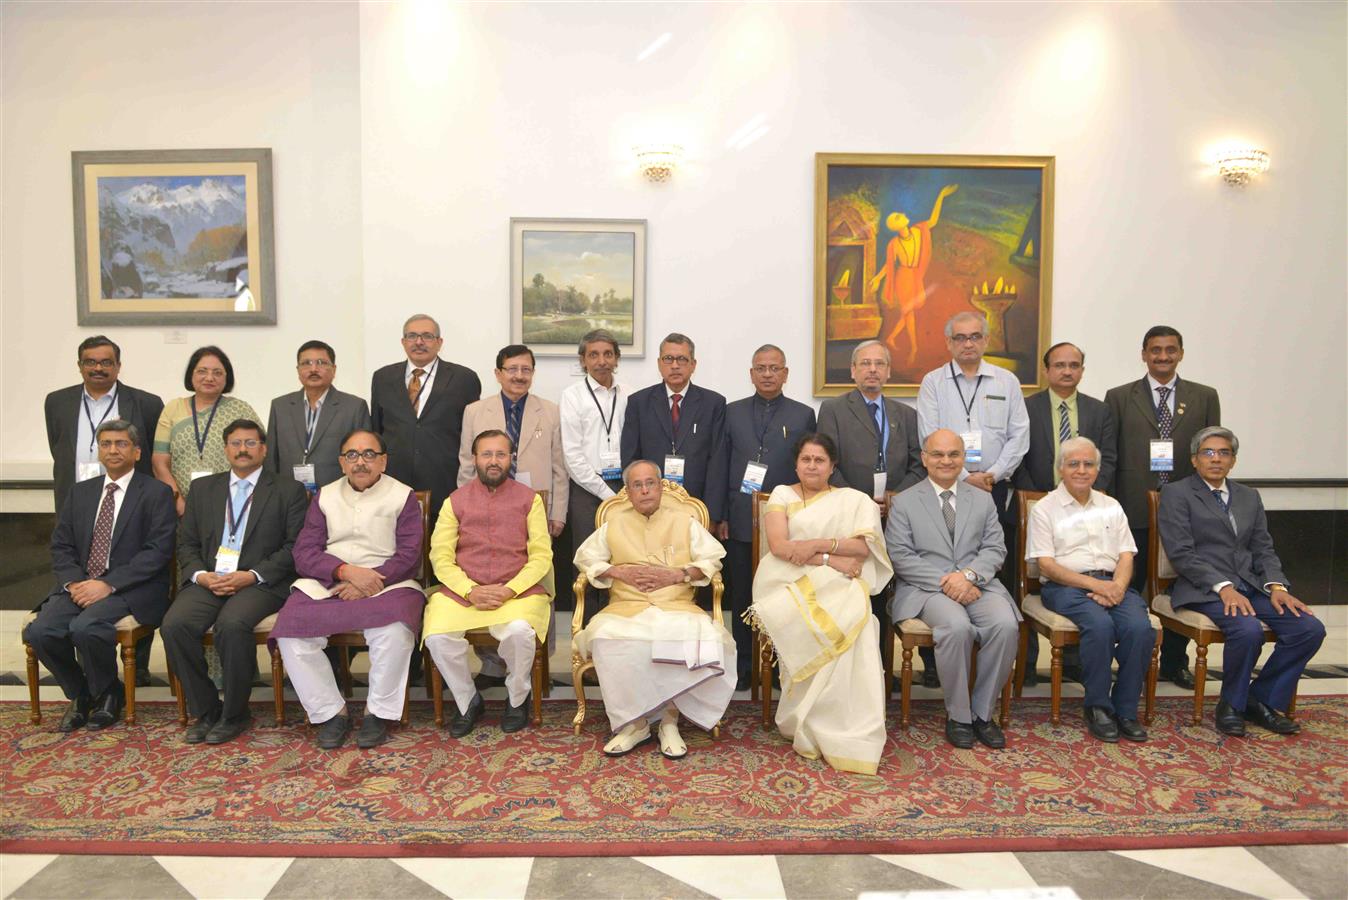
column 658, row 161
column 1239, row 164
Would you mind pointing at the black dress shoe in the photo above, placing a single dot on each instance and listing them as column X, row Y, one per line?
column 228, row 729
column 1181, row 677
column 930, row 679
column 107, row 710
column 484, row 682
column 1268, row 717
column 464, row 722
column 332, row 733
column 516, row 717
column 373, row 732
column 1132, row 730
column 197, row 731
column 990, row 734
column 1229, row 721
column 959, row 734
column 143, row 678
column 75, row 716
column 1031, row 679
column 1101, row 724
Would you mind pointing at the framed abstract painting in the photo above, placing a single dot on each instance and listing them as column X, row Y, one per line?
column 903, row 242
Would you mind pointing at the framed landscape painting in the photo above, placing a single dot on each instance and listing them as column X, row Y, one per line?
column 902, row 243
column 570, row 276
column 174, row 237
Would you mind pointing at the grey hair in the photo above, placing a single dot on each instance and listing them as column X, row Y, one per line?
column 966, row 314
column 871, row 343
column 1216, row 431
column 599, row 336
column 770, row 348
column 675, row 338
column 1080, row 442
column 640, row 462
column 119, row 425
column 419, row 316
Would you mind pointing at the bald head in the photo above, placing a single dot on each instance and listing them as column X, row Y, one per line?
column 943, row 455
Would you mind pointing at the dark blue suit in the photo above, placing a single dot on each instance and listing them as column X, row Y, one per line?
column 1205, row 549
column 138, row 571
column 756, row 431
column 648, row 433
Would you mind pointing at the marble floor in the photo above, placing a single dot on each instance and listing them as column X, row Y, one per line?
column 1315, row 871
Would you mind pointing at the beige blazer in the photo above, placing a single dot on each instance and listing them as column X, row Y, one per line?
column 540, row 449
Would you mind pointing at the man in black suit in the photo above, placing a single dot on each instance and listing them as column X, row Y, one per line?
column 306, row 428
column 1155, row 416
column 680, row 427
column 856, row 421
column 759, row 433
column 73, row 415
column 417, row 406
column 1059, row 414
column 235, row 568
column 110, row 554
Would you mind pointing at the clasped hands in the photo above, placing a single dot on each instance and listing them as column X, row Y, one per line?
column 226, row 585
column 1107, row 593
column 490, row 596
column 87, row 593
column 646, row 578
column 960, row 589
column 357, row 582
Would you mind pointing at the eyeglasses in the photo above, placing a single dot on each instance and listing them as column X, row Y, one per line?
column 367, row 455
column 119, row 444
column 967, row 338
column 239, row 443
column 426, row 336
column 209, row 373
column 1080, row 464
column 98, row 364
column 871, row 364
column 949, row 454
column 647, row 485
column 1066, row 365
column 671, row 360
column 313, row 364
column 1216, row 453
column 516, row 371
column 768, row 370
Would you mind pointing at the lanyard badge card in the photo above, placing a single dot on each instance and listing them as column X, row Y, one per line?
column 755, row 474
column 1163, row 456
column 674, row 468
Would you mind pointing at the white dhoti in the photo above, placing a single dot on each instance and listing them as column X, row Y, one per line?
column 312, row 677
column 516, row 641
column 658, row 657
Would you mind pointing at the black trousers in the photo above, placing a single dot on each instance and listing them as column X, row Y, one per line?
column 234, row 618
column 1174, row 646
column 62, row 628
column 739, row 586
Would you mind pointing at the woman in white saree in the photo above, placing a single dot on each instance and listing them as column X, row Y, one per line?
column 826, row 556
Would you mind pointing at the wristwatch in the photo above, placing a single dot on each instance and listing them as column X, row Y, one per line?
column 687, row 579
column 826, row 559
column 973, row 576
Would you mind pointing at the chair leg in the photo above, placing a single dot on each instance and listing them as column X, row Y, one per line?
column 344, row 661
column 547, row 673
column 887, row 658
column 1152, row 673
column 34, row 708
column 1006, row 703
column 753, row 668
column 540, row 655
column 406, row 717
column 1055, row 685
column 1292, row 704
column 182, row 699
column 278, row 686
column 905, row 685
column 129, row 680
column 434, row 686
column 577, row 680
column 1200, row 679
column 764, row 668
column 1018, row 673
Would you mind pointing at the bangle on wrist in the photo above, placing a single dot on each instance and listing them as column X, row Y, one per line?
column 834, row 548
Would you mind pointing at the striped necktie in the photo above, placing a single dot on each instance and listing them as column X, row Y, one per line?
column 948, row 511
column 513, row 430
column 101, row 545
column 1064, row 424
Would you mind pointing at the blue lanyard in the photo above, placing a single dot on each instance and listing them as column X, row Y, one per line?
column 197, row 434
column 93, row 426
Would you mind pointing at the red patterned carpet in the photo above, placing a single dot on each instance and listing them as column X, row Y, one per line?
column 544, row 792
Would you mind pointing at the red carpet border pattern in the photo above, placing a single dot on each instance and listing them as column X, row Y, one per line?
column 546, row 792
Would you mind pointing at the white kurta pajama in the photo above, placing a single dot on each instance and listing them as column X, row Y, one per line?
column 827, row 640
column 653, row 650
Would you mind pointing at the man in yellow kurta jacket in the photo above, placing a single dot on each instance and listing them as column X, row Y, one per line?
column 493, row 557
column 656, row 652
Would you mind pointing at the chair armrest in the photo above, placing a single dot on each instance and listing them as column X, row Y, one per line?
column 578, row 617
column 717, row 589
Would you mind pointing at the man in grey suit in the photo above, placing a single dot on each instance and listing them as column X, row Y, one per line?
column 760, row 432
column 857, row 421
column 1215, row 534
column 946, row 544
column 1155, row 415
column 1059, row 414
column 306, row 428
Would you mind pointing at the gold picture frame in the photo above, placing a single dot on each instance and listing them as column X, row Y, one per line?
column 984, row 244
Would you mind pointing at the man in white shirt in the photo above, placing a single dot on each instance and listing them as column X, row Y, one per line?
column 1085, row 551
column 592, row 412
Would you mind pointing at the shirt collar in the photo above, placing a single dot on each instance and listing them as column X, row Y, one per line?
column 321, row 399
column 1070, row 399
column 251, row 479
column 955, row 488
column 596, row 386
column 1065, row 497
column 111, row 394
column 953, row 370
column 429, row 369
column 1154, row 384
column 122, row 483
column 1221, row 487
column 683, row 393
column 510, row 404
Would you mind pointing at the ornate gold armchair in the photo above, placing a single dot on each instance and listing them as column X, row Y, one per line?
column 672, row 496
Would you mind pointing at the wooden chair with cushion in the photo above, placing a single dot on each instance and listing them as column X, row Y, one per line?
column 672, row 496
column 1058, row 630
column 914, row 633
column 480, row 639
column 1188, row 622
column 129, row 631
column 261, row 634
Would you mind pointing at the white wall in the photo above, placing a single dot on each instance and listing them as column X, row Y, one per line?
column 397, row 199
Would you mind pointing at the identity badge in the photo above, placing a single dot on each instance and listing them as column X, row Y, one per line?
column 754, row 476
column 305, row 476
column 973, row 448
column 610, row 465
column 1163, row 456
column 85, row 471
column 878, row 482
column 674, row 468
column 226, row 560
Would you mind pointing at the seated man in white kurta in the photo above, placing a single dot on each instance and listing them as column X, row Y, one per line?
column 656, row 652
column 493, row 555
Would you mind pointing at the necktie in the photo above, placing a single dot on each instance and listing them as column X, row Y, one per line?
column 1165, row 422
column 240, row 507
column 414, row 388
column 874, row 407
column 513, row 430
column 674, row 410
column 1221, row 501
column 1064, row 424
column 102, row 542
column 948, row 511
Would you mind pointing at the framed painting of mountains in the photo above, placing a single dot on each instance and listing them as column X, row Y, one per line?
column 174, row 237
column 903, row 242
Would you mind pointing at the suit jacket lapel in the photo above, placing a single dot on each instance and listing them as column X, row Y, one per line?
column 688, row 410
column 857, row 404
column 1044, row 423
column 660, row 410
column 261, row 494
column 1142, row 400
column 962, row 515
column 443, row 376
column 1209, row 500
column 933, row 505
column 1183, row 396
column 134, row 490
column 325, row 415
column 533, row 411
